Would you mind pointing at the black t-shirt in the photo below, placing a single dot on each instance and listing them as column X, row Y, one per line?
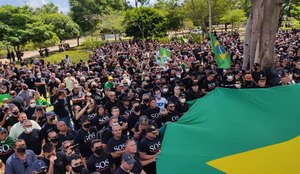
column 41, row 87
column 84, row 139
column 121, row 171
column 174, row 99
column 137, row 166
column 92, row 114
column 161, row 121
column 209, row 85
column 182, row 108
column 114, row 145
column 100, row 121
column 102, row 164
column 11, row 121
column 133, row 118
column 296, row 72
column 61, row 108
column 68, row 136
column 30, row 82
column 33, row 140
column 153, row 113
column 150, row 147
column 48, row 127
column 59, row 164
column 109, row 104
column 107, row 135
column 174, row 116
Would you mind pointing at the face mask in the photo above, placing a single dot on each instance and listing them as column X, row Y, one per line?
column 38, row 76
column 165, row 90
column 32, row 105
column 29, row 129
column 99, row 151
column 54, row 140
column 158, row 76
column 137, row 108
column 158, row 95
column 21, row 149
column 146, row 100
column 182, row 100
column 187, row 70
column 15, row 112
column 77, row 169
column 86, row 125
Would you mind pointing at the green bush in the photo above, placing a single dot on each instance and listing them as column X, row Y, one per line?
column 197, row 38
column 92, row 42
column 163, row 40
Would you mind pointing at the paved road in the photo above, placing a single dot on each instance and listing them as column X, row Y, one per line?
column 29, row 54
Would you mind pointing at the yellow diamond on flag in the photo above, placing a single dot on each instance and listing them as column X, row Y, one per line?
column 222, row 56
column 274, row 159
column 216, row 43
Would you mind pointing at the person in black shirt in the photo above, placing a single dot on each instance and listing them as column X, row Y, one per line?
column 101, row 119
column 209, row 83
column 64, row 133
column 127, row 164
column 32, row 137
column 106, row 134
column 40, row 83
column 134, row 116
column 149, row 148
column 39, row 115
column 173, row 114
column 116, row 144
column 13, row 119
column 111, row 101
column 145, row 102
column 85, row 136
column 153, row 110
column 30, row 80
column 57, row 162
column 61, row 108
column 181, row 106
column 125, row 109
column 77, row 165
column 194, row 92
column 175, row 96
column 49, row 125
column 100, row 161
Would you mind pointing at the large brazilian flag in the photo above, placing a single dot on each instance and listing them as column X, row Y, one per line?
column 246, row 131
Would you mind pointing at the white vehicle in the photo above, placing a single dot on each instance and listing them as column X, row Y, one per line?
column 196, row 31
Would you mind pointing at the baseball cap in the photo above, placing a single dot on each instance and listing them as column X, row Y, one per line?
column 39, row 166
column 152, row 129
column 50, row 113
column 128, row 158
column 110, row 78
column 84, row 118
column 2, row 129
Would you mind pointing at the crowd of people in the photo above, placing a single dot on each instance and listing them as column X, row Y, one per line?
column 105, row 115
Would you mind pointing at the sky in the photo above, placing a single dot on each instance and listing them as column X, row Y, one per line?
column 62, row 4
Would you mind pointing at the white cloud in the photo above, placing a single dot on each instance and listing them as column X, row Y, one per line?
column 35, row 3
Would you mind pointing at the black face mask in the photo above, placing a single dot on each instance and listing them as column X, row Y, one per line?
column 21, row 149
column 54, row 140
column 87, row 125
column 77, row 169
column 146, row 100
column 99, row 151
column 137, row 108
column 15, row 112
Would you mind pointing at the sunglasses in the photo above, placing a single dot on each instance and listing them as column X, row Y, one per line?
column 172, row 106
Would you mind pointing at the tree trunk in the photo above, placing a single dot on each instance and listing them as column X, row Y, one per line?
column 261, row 31
column 78, row 41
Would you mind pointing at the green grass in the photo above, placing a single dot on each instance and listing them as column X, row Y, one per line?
column 74, row 54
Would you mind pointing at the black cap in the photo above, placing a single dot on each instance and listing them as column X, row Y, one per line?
column 85, row 118
column 151, row 129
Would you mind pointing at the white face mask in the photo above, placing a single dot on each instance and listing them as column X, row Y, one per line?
column 165, row 90
column 187, row 70
column 32, row 105
column 29, row 129
column 158, row 77
column 182, row 100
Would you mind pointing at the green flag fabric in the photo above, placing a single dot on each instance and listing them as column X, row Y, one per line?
column 2, row 96
column 164, row 55
column 246, row 131
column 221, row 57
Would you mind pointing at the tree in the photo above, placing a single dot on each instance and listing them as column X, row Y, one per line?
column 63, row 26
column 112, row 23
column 47, row 9
column 173, row 13
column 197, row 11
column 233, row 17
column 260, row 36
column 19, row 26
column 145, row 22
column 87, row 14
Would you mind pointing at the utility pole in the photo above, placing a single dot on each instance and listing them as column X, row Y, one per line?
column 209, row 16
